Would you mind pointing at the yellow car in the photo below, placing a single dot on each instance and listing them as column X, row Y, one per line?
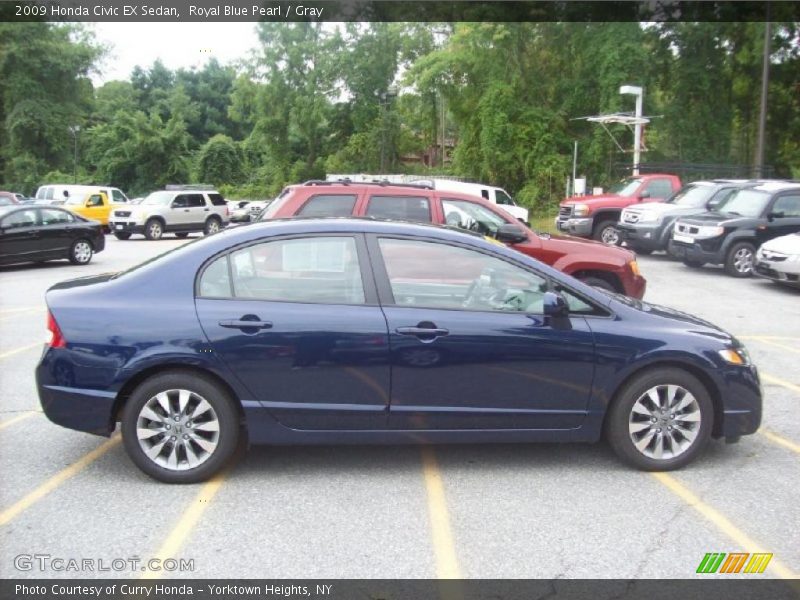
column 95, row 205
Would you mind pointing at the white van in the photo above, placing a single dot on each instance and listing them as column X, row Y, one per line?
column 54, row 193
column 495, row 195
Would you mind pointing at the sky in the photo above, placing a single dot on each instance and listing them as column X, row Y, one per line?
column 176, row 44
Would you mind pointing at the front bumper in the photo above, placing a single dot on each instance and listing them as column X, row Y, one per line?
column 125, row 227
column 645, row 237
column 695, row 252
column 782, row 272
column 577, row 226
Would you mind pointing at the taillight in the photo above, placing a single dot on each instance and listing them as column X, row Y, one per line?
column 56, row 337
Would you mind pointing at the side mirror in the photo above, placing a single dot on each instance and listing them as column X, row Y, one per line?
column 554, row 305
column 713, row 204
column 511, row 234
column 644, row 195
column 775, row 215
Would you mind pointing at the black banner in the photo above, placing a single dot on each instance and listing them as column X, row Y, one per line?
column 396, row 10
column 739, row 587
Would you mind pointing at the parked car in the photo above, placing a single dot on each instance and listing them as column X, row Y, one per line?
column 180, row 209
column 647, row 227
column 597, row 216
column 30, row 233
column 731, row 236
column 240, row 211
column 304, row 331
column 613, row 269
column 493, row 194
column 94, row 205
column 8, row 198
column 779, row 260
column 57, row 194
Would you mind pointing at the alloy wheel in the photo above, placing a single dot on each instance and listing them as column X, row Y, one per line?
column 178, row 429
column 743, row 260
column 610, row 236
column 82, row 252
column 664, row 421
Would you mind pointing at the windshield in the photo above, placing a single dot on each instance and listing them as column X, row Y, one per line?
column 694, row 196
column 276, row 205
column 158, row 198
column 471, row 216
column 746, row 203
column 626, row 187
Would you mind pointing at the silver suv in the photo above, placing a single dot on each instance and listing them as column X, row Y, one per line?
column 178, row 209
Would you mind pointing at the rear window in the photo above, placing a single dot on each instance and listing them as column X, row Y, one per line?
column 401, row 208
column 329, row 205
column 217, row 199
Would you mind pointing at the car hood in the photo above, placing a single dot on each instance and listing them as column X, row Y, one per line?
column 711, row 218
column 567, row 244
column 685, row 321
column 786, row 244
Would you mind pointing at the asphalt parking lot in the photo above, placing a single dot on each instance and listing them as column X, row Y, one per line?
column 505, row 511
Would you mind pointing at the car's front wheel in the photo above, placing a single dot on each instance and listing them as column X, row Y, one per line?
column 153, row 229
column 740, row 260
column 660, row 420
column 180, row 427
column 80, row 253
column 607, row 232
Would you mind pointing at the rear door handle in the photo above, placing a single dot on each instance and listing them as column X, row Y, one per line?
column 245, row 324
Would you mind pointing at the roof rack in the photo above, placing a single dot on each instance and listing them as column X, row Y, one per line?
column 177, row 187
column 379, row 182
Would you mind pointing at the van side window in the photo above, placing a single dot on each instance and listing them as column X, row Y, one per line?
column 485, row 194
column 503, row 198
column 48, row 193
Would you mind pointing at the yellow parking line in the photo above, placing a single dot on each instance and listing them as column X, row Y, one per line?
column 56, row 480
column 23, row 349
column 443, row 547
column 723, row 523
column 17, row 419
column 5, row 311
column 14, row 316
column 769, row 342
column 780, row 440
column 186, row 523
column 777, row 381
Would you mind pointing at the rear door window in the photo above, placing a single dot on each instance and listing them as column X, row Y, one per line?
column 196, row 200
column 328, row 205
column 400, row 208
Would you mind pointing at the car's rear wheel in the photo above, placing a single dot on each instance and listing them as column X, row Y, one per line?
column 660, row 420
column 607, row 232
column 180, row 428
column 153, row 229
column 80, row 253
column 213, row 225
column 740, row 259
column 123, row 235
column 182, row 234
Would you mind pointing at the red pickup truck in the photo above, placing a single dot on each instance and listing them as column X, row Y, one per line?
column 597, row 216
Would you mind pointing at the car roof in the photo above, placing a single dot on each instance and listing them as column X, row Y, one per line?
column 777, row 186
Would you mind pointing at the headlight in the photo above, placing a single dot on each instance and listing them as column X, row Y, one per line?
column 735, row 356
column 649, row 217
column 581, row 210
column 794, row 258
column 709, row 231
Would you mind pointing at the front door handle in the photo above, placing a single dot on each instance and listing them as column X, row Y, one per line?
column 424, row 334
column 246, row 324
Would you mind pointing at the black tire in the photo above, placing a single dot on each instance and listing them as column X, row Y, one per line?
column 607, row 232
column 213, row 225
column 203, row 387
column 599, row 282
column 642, row 251
column 124, row 235
column 154, row 229
column 81, row 252
column 740, row 259
column 621, row 419
column 694, row 264
column 182, row 234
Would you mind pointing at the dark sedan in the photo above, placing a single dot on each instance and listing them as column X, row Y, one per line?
column 329, row 331
column 31, row 233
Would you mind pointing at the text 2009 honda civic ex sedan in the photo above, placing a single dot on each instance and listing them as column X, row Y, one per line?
column 355, row 331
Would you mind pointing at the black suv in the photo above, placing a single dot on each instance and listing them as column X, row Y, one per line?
column 730, row 236
column 647, row 227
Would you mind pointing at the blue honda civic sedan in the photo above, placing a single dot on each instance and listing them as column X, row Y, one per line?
column 332, row 331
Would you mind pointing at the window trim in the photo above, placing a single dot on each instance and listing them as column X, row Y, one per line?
column 367, row 276
column 386, row 296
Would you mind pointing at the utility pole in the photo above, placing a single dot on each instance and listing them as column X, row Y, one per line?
column 758, row 161
column 74, row 130
column 637, row 128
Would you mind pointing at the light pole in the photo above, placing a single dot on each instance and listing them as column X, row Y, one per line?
column 74, row 130
column 637, row 129
column 386, row 97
